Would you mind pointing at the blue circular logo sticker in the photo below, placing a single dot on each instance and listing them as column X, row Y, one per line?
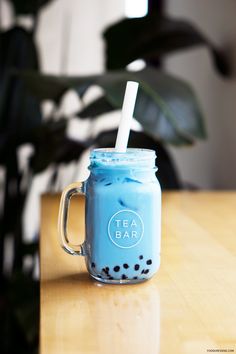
column 125, row 229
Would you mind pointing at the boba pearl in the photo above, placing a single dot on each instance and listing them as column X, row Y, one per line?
column 124, row 276
column 135, row 277
column 116, row 269
column 149, row 262
column 125, row 265
column 136, row 267
column 93, row 265
column 105, row 270
column 141, row 257
column 146, row 271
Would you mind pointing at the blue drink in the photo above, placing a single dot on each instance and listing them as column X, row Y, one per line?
column 123, row 216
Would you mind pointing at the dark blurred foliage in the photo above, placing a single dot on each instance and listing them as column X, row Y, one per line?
column 28, row 7
column 153, row 37
column 19, row 114
column 166, row 107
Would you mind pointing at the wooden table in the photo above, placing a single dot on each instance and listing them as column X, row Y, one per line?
column 188, row 307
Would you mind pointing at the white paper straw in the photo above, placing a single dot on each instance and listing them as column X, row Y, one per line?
column 126, row 116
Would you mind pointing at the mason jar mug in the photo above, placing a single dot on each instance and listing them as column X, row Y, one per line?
column 123, row 216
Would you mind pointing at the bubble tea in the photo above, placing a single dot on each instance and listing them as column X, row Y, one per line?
column 123, row 216
column 123, row 209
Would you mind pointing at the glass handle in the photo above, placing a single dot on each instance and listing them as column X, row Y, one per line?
column 67, row 194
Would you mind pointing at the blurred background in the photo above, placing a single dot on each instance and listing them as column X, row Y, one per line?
column 63, row 69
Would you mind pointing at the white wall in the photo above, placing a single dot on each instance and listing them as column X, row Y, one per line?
column 70, row 31
column 210, row 164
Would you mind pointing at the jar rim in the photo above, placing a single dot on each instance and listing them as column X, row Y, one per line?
column 110, row 154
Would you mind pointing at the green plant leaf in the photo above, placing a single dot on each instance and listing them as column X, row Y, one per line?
column 154, row 36
column 166, row 106
column 53, row 87
column 53, row 146
column 19, row 110
column 27, row 7
column 99, row 106
column 168, row 109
